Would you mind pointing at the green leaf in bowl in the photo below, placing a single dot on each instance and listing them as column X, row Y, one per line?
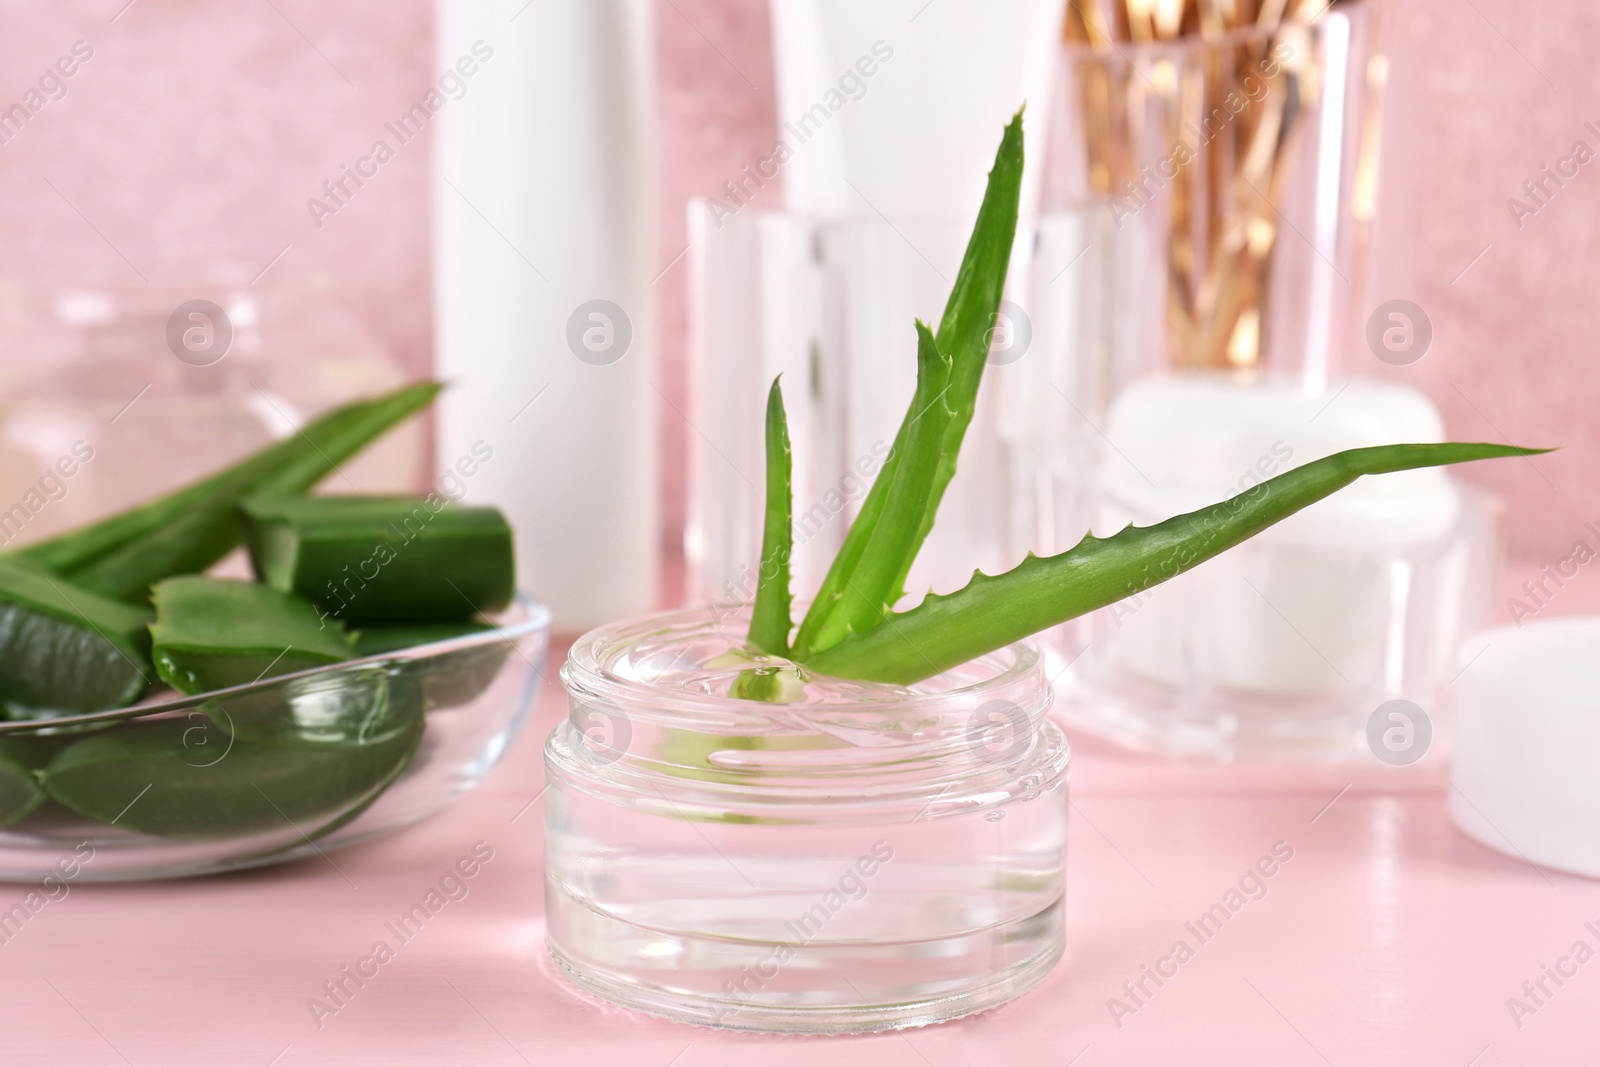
column 151, row 777
column 356, row 705
column 375, row 640
column 20, row 791
column 372, row 559
column 65, row 649
column 211, row 633
column 449, row 679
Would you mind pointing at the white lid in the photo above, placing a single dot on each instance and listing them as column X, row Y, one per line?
column 1527, row 752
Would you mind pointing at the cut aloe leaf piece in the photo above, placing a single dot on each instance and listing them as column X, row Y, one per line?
column 355, row 705
column 357, row 808
column 383, row 559
column 20, row 791
column 211, row 633
column 65, row 649
column 376, row 640
column 149, row 777
column 444, row 681
column 458, row 678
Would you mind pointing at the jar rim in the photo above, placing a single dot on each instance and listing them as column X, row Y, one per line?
column 924, row 752
column 587, row 669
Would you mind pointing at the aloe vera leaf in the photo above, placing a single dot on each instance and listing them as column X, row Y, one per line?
column 966, row 330
column 143, row 776
column 990, row 612
column 964, row 334
column 351, row 705
column 874, row 587
column 358, row 806
column 374, row 640
column 458, row 678
column 63, row 648
column 78, row 548
column 383, row 558
column 447, row 680
column 211, row 633
column 210, row 528
column 338, row 443
column 770, row 685
column 770, row 620
column 20, row 791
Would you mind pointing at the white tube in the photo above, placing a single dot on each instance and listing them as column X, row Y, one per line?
column 896, row 106
column 545, row 245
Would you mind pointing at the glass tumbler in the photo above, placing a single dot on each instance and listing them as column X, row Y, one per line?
column 829, row 303
column 1236, row 172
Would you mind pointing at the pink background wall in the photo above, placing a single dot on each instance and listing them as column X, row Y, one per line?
column 199, row 128
column 1483, row 95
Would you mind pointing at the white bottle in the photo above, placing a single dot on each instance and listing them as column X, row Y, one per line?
column 545, row 249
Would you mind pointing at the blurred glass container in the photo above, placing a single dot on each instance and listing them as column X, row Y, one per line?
column 1236, row 170
column 1284, row 645
column 829, row 303
column 1240, row 658
column 143, row 389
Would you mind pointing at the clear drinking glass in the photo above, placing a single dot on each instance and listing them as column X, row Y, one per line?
column 866, row 857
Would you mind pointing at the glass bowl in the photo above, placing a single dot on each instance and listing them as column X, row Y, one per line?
column 264, row 773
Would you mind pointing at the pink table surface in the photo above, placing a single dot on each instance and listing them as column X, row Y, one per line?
column 1388, row 938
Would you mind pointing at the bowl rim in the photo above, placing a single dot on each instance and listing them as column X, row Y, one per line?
column 537, row 621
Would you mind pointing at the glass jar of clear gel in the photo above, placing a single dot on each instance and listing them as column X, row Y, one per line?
column 863, row 857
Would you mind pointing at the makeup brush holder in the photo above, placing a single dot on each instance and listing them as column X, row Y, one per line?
column 1235, row 169
column 1236, row 173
